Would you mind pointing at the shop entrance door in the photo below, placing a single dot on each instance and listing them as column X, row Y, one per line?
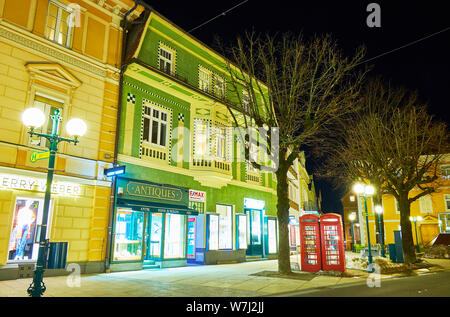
column 153, row 236
column 254, row 222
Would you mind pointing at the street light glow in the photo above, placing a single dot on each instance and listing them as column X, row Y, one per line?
column 378, row 209
column 352, row 216
column 369, row 190
column 358, row 188
column 33, row 117
column 76, row 127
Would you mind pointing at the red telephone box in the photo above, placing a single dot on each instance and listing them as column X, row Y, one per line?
column 310, row 243
column 333, row 252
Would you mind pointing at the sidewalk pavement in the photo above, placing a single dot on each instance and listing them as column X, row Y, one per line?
column 226, row 280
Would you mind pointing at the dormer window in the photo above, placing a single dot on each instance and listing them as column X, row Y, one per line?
column 204, row 79
column 219, row 86
column 166, row 60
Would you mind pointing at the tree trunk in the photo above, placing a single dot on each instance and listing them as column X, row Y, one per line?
column 409, row 252
column 284, row 261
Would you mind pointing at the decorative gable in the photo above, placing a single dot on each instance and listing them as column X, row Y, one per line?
column 53, row 74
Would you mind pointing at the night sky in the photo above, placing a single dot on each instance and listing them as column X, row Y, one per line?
column 423, row 66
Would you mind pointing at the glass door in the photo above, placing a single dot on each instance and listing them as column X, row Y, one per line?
column 255, row 232
column 153, row 236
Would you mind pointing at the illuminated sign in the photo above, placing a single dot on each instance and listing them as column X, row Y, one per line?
column 254, row 204
column 154, row 191
column 118, row 170
column 29, row 183
column 196, row 195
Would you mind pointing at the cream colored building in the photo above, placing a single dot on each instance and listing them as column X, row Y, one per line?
column 58, row 55
column 302, row 198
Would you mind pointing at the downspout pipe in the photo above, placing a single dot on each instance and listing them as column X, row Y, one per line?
column 123, row 66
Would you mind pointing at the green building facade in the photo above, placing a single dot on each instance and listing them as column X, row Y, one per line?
column 188, row 196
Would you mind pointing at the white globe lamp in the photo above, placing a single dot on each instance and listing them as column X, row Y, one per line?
column 76, row 127
column 33, row 117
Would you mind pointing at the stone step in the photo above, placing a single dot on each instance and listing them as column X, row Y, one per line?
column 150, row 267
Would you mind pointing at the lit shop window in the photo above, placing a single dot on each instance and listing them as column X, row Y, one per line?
column 155, row 126
column 225, row 226
column 58, row 27
column 128, row 238
column 175, row 236
column 28, row 214
column 220, row 228
column 272, row 235
column 242, row 232
column 213, row 232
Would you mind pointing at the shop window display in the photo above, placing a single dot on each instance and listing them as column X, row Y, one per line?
column 129, row 233
column 156, row 236
column 213, row 232
column 272, row 236
column 242, row 236
column 175, row 236
column 27, row 216
column 225, row 226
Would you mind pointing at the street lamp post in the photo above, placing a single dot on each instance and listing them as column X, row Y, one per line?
column 379, row 211
column 366, row 190
column 352, row 218
column 34, row 118
column 415, row 219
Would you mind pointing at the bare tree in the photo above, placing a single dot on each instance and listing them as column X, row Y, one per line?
column 395, row 145
column 298, row 87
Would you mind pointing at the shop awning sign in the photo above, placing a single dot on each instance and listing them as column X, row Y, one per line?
column 36, row 156
column 153, row 192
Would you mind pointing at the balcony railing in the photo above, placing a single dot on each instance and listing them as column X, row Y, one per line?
column 154, row 154
column 212, row 164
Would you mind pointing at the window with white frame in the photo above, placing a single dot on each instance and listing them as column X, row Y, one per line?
column 219, row 86
column 204, row 79
column 445, row 172
column 58, row 28
column 48, row 107
column 447, row 202
column 155, row 125
column 201, row 137
column 425, row 204
column 220, row 137
column 166, row 60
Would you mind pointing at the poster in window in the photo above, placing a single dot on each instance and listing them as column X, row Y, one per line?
column 21, row 243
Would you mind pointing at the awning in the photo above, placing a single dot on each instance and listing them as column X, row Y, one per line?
column 156, row 207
